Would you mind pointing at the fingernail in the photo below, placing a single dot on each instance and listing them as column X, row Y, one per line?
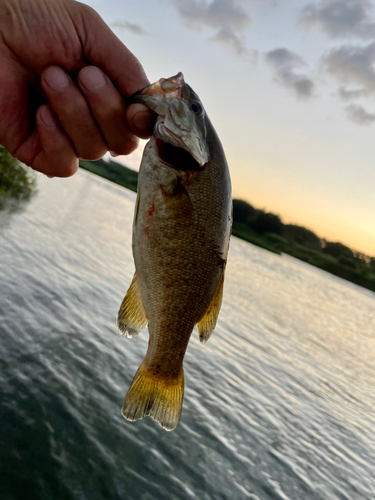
column 56, row 78
column 143, row 120
column 48, row 118
column 113, row 154
column 92, row 78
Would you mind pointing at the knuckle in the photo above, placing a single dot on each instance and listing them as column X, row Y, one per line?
column 110, row 112
column 87, row 10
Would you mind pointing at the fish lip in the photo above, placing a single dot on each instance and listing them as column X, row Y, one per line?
column 156, row 97
column 200, row 154
column 159, row 87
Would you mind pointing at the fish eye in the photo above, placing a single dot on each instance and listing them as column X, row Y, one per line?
column 196, row 108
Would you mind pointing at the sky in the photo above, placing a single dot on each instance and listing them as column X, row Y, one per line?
column 289, row 86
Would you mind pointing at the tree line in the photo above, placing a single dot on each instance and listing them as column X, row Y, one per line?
column 268, row 230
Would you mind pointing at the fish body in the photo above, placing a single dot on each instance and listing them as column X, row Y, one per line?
column 181, row 232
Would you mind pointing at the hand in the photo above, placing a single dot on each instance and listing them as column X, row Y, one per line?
column 62, row 81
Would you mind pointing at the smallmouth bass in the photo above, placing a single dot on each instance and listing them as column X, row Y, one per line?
column 181, row 230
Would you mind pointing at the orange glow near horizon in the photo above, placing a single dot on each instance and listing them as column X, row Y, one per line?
column 345, row 225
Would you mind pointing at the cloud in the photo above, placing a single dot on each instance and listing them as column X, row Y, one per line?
column 359, row 115
column 133, row 28
column 348, row 94
column 341, row 18
column 226, row 36
column 352, row 65
column 227, row 18
column 284, row 63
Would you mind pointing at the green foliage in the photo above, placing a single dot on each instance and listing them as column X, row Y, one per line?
column 337, row 250
column 17, row 182
column 242, row 231
column 266, row 222
column 347, row 261
column 242, row 211
column 276, row 241
column 112, row 171
column 302, row 236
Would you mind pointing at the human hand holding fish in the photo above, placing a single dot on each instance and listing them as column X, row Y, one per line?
column 64, row 75
column 181, row 230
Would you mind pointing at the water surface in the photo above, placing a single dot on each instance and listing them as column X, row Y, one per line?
column 279, row 404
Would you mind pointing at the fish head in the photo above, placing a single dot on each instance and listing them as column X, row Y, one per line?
column 181, row 118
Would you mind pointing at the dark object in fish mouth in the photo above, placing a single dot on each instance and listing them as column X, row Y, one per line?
column 178, row 158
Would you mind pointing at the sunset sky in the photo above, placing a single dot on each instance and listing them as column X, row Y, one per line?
column 289, row 86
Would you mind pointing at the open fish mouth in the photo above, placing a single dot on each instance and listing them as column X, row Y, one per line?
column 177, row 125
column 176, row 157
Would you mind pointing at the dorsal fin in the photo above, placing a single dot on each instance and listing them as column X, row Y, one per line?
column 208, row 321
column 131, row 318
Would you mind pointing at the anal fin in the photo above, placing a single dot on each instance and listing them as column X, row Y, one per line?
column 208, row 321
column 131, row 318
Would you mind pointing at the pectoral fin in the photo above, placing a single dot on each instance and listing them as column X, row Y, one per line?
column 208, row 322
column 132, row 317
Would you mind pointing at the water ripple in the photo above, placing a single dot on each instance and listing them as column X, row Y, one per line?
column 278, row 405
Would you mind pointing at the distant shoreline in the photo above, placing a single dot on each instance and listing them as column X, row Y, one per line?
column 112, row 171
column 269, row 233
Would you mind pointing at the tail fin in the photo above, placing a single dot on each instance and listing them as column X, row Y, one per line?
column 155, row 395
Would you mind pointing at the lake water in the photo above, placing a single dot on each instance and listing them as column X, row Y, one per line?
column 279, row 404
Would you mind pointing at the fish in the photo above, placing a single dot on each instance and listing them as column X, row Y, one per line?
column 181, row 231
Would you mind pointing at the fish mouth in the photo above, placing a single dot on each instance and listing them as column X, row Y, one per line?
column 176, row 157
column 175, row 125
